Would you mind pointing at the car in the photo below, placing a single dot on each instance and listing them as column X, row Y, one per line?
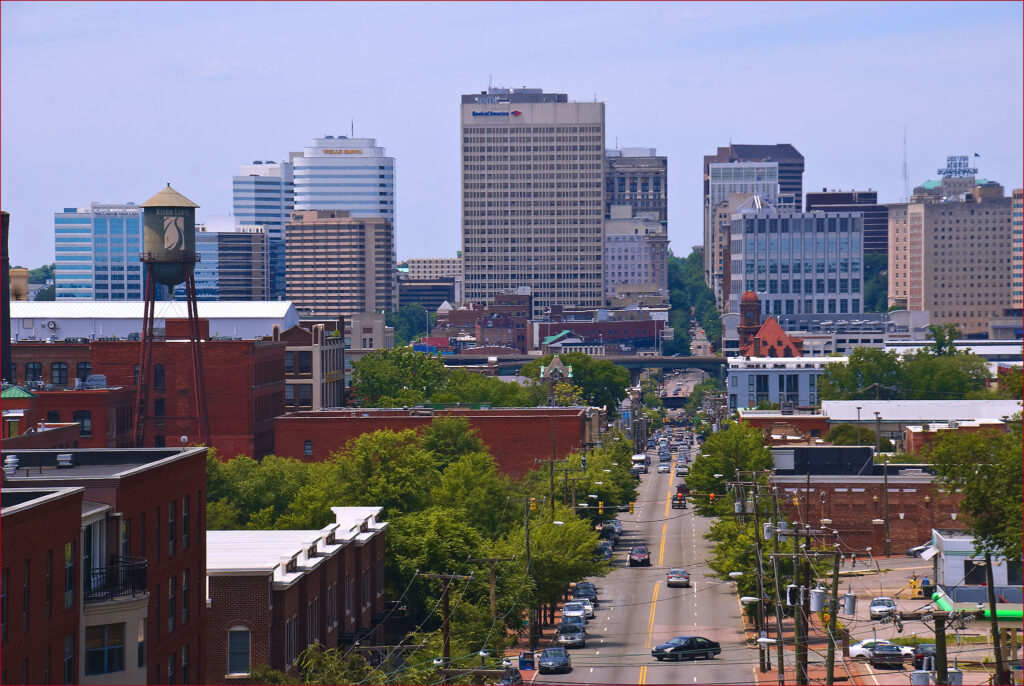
column 587, row 605
column 639, row 555
column 616, row 523
column 554, row 660
column 574, row 609
column 512, row 677
column 664, row 468
column 602, row 553
column 918, row 549
column 609, row 533
column 886, row 654
column 635, row 472
column 882, row 606
column 576, row 620
column 586, row 592
column 922, row 652
column 679, row 501
column 686, row 647
column 665, row 457
column 682, row 469
column 862, row 650
column 678, row 577
column 589, row 584
column 571, row 636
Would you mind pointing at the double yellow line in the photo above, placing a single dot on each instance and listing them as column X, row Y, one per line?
column 650, row 629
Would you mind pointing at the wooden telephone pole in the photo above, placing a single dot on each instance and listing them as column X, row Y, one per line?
column 491, row 561
column 446, row 649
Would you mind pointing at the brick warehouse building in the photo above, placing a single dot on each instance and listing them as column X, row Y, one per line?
column 245, row 385
column 40, row 638
column 104, row 415
column 314, row 435
column 141, row 558
column 273, row 593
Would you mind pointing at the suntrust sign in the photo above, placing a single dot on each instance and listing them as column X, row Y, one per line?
column 489, row 113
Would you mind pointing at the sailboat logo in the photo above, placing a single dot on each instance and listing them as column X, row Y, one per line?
column 174, row 234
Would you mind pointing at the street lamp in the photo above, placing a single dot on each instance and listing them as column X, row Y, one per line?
column 858, row 425
column 885, row 479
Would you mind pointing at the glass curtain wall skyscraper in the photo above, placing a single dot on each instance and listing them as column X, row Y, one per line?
column 97, row 252
column 264, row 194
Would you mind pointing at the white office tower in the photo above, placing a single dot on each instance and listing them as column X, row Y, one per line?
column 532, row 196
column 342, row 173
column 263, row 194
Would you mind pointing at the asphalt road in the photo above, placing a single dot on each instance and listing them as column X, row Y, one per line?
column 638, row 611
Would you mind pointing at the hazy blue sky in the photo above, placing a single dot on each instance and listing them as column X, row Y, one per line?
column 107, row 102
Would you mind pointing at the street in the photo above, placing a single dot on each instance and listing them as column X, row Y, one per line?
column 638, row 611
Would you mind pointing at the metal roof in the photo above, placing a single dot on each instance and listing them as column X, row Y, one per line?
column 918, row 410
column 16, row 392
column 133, row 309
column 168, row 197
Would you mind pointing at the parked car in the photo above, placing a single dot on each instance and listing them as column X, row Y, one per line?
column 635, row 472
column 554, row 660
column 922, row 651
column 664, row 468
column 587, row 605
column 639, row 555
column 678, row 577
column 617, row 524
column 513, row 677
column 602, row 552
column 571, row 636
column 882, row 606
column 574, row 609
column 587, row 592
column 918, row 549
column 577, row 620
column 586, row 584
column 686, row 647
column 886, row 654
column 862, row 650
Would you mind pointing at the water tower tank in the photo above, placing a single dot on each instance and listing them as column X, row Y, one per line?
column 169, row 221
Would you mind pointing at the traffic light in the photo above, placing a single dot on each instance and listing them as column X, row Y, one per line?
column 630, row 507
column 583, row 462
column 600, row 507
column 711, row 498
column 533, row 504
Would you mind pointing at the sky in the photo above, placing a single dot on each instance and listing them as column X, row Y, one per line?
column 107, row 102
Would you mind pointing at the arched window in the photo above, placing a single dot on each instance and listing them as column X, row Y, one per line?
column 238, row 650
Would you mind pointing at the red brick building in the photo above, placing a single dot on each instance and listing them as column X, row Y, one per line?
column 103, row 416
column 273, row 593
column 245, row 386
column 626, row 334
column 785, row 428
column 770, row 341
column 856, row 507
column 314, row 435
column 141, row 563
column 917, row 437
column 41, row 637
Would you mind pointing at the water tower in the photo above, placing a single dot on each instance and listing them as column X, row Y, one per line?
column 169, row 244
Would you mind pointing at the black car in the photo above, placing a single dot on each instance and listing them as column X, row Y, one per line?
column 686, row 647
column 635, row 472
column 602, row 552
column 639, row 556
column 922, row 651
column 554, row 660
column 886, row 654
column 586, row 592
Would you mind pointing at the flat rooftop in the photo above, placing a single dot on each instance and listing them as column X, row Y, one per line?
column 94, row 463
column 919, row 410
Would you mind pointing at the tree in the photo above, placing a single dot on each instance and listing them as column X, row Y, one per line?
column 850, row 434
column 472, row 483
column 409, row 322
column 943, row 337
column 384, row 374
column 47, row 294
column 876, row 282
column 449, row 438
column 986, row 467
column 462, row 386
column 567, row 394
column 869, row 373
column 948, row 376
column 602, row 383
column 736, row 448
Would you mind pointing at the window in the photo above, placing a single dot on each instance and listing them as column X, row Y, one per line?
column 59, row 373
column 305, row 395
column 307, row 448
column 159, row 377
column 160, row 441
column 83, row 370
column 104, row 649
column 126, row 539
column 69, row 574
column 141, row 643
column 186, row 503
column 171, row 603
column 184, row 664
column 289, row 637
column 135, row 375
column 172, row 525
column 159, row 407
column 69, row 659
column 305, row 362
column 83, row 417
column 238, row 650
column 172, row 662
column 52, row 416
column 289, row 362
column 33, row 371
column 184, row 595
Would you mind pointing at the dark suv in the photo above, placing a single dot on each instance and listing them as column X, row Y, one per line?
column 922, row 651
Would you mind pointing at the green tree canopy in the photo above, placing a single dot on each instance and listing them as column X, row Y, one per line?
column 601, row 382
column 850, row 434
column 409, row 322
column 736, row 448
column 869, row 373
column 383, row 375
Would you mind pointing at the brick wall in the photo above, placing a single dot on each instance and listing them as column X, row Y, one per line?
column 237, row 600
column 37, row 535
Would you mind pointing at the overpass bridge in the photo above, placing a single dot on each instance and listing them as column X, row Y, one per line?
column 508, row 365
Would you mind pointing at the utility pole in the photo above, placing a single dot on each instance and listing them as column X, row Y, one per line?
column 491, row 561
column 446, row 650
column 941, row 667
column 780, row 647
column 1001, row 676
column 798, row 624
column 833, row 610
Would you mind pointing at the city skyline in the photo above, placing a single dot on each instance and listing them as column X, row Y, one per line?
column 83, row 124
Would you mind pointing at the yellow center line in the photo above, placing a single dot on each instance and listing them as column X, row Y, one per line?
column 668, row 501
column 661, row 547
column 650, row 623
column 643, row 674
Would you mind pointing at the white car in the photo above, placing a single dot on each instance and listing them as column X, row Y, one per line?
column 882, row 606
column 587, row 605
column 574, row 609
column 664, row 468
column 862, row 650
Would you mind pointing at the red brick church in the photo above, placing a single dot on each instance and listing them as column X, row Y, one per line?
column 764, row 340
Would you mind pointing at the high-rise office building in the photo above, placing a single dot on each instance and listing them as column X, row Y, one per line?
column 233, row 265
column 342, row 173
column 434, row 267
column 797, row 262
column 339, row 264
column 773, row 172
column 635, row 254
column 716, row 251
column 263, row 193
column 97, row 252
column 876, row 217
column 637, row 177
column 951, row 252
column 532, row 196
column 1017, row 263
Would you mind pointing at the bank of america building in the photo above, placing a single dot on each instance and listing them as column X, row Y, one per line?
column 808, row 263
column 532, row 196
column 97, row 252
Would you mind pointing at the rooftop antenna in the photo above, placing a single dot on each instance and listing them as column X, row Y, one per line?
column 352, row 128
column 490, row 82
column 906, row 176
